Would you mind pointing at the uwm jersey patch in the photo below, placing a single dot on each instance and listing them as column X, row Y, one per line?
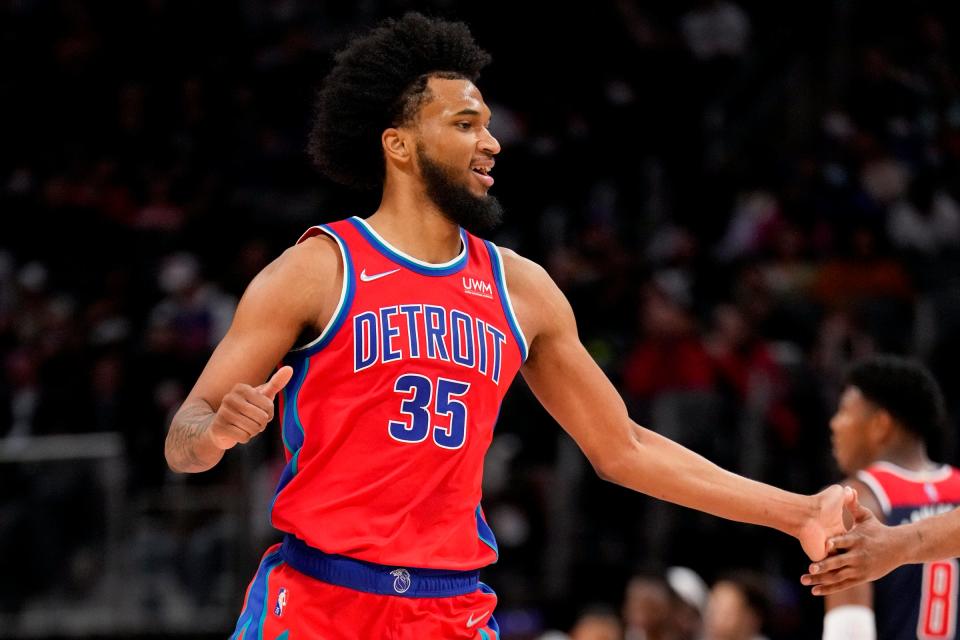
column 916, row 601
column 391, row 409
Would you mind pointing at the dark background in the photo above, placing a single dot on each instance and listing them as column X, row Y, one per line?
column 738, row 199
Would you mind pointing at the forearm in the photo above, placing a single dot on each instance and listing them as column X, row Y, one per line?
column 188, row 448
column 664, row 469
column 928, row 540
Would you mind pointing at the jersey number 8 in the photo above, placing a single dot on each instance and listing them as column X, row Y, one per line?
column 938, row 607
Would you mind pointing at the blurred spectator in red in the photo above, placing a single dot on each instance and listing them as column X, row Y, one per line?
column 861, row 274
column 670, row 355
column 746, row 366
column 160, row 213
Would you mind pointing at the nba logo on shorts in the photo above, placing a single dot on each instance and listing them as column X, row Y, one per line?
column 401, row 580
column 281, row 602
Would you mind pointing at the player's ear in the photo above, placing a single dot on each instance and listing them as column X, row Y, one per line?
column 883, row 426
column 397, row 144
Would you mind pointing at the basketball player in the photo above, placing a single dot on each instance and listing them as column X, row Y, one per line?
column 398, row 336
column 889, row 409
column 871, row 549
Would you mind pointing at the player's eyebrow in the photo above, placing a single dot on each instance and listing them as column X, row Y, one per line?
column 470, row 112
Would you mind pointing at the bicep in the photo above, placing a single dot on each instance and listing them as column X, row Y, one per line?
column 572, row 387
column 269, row 318
column 246, row 356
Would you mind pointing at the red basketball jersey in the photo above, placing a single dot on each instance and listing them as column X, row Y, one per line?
column 907, row 496
column 391, row 409
column 916, row 601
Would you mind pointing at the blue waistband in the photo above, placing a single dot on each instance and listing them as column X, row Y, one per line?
column 376, row 578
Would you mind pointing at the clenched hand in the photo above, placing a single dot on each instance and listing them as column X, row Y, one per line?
column 246, row 411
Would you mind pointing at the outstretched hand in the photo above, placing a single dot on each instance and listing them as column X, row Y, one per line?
column 827, row 521
column 865, row 553
column 245, row 411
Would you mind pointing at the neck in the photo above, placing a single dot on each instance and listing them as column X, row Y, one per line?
column 411, row 222
column 910, row 455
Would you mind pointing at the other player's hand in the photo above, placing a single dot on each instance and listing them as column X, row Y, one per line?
column 867, row 552
column 246, row 411
column 827, row 520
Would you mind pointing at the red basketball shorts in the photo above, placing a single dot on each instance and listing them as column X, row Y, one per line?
column 381, row 603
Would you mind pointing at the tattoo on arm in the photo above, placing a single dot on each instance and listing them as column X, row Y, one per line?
column 188, row 425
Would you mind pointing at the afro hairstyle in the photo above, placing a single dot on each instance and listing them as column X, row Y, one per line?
column 906, row 390
column 379, row 81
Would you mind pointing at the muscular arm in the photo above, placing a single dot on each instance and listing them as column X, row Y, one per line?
column 582, row 400
column 871, row 550
column 928, row 540
column 295, row 292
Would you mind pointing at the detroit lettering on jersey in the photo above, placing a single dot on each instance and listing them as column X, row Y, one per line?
column 432, row 332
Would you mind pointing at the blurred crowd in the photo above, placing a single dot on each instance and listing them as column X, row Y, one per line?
column 677, row 605
column 738, row 199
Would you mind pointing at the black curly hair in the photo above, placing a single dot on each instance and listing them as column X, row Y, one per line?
column 380, row 81
column 906, row 390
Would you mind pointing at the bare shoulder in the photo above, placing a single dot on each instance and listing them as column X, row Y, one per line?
column 539, row 304
column 522, row 272
column 316, row 257
column 304, row 278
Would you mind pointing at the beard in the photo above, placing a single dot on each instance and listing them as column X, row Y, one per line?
column 478, row 215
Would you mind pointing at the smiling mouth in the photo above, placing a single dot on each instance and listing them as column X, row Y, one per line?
column 483, row 174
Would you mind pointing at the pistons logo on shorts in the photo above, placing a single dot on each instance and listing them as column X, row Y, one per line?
column 401, row 580
column 281, row 602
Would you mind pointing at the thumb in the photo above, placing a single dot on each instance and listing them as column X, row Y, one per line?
column 851, row 500
column 861, row 513
column 278, row 381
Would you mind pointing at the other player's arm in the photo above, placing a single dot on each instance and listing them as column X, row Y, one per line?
column 848, row 615
column 582, row 400
column 230, row 403
column 872, row 549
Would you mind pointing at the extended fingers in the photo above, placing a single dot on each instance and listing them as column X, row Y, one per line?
column 832, row 563
column 829, row 579
column 829, row 589
column 843, row 544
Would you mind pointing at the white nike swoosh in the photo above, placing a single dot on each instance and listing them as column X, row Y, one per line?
column 471, row 621
column 366, row 278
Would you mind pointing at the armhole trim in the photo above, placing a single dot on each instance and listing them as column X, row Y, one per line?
column 871, row 481
column 499, row 275
column 343, row 305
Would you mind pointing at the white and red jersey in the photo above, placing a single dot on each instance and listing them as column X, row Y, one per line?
column 391, row 409
column 916, row 601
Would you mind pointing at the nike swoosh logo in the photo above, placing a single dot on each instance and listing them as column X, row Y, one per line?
column 471, row 621
column 376, row 276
